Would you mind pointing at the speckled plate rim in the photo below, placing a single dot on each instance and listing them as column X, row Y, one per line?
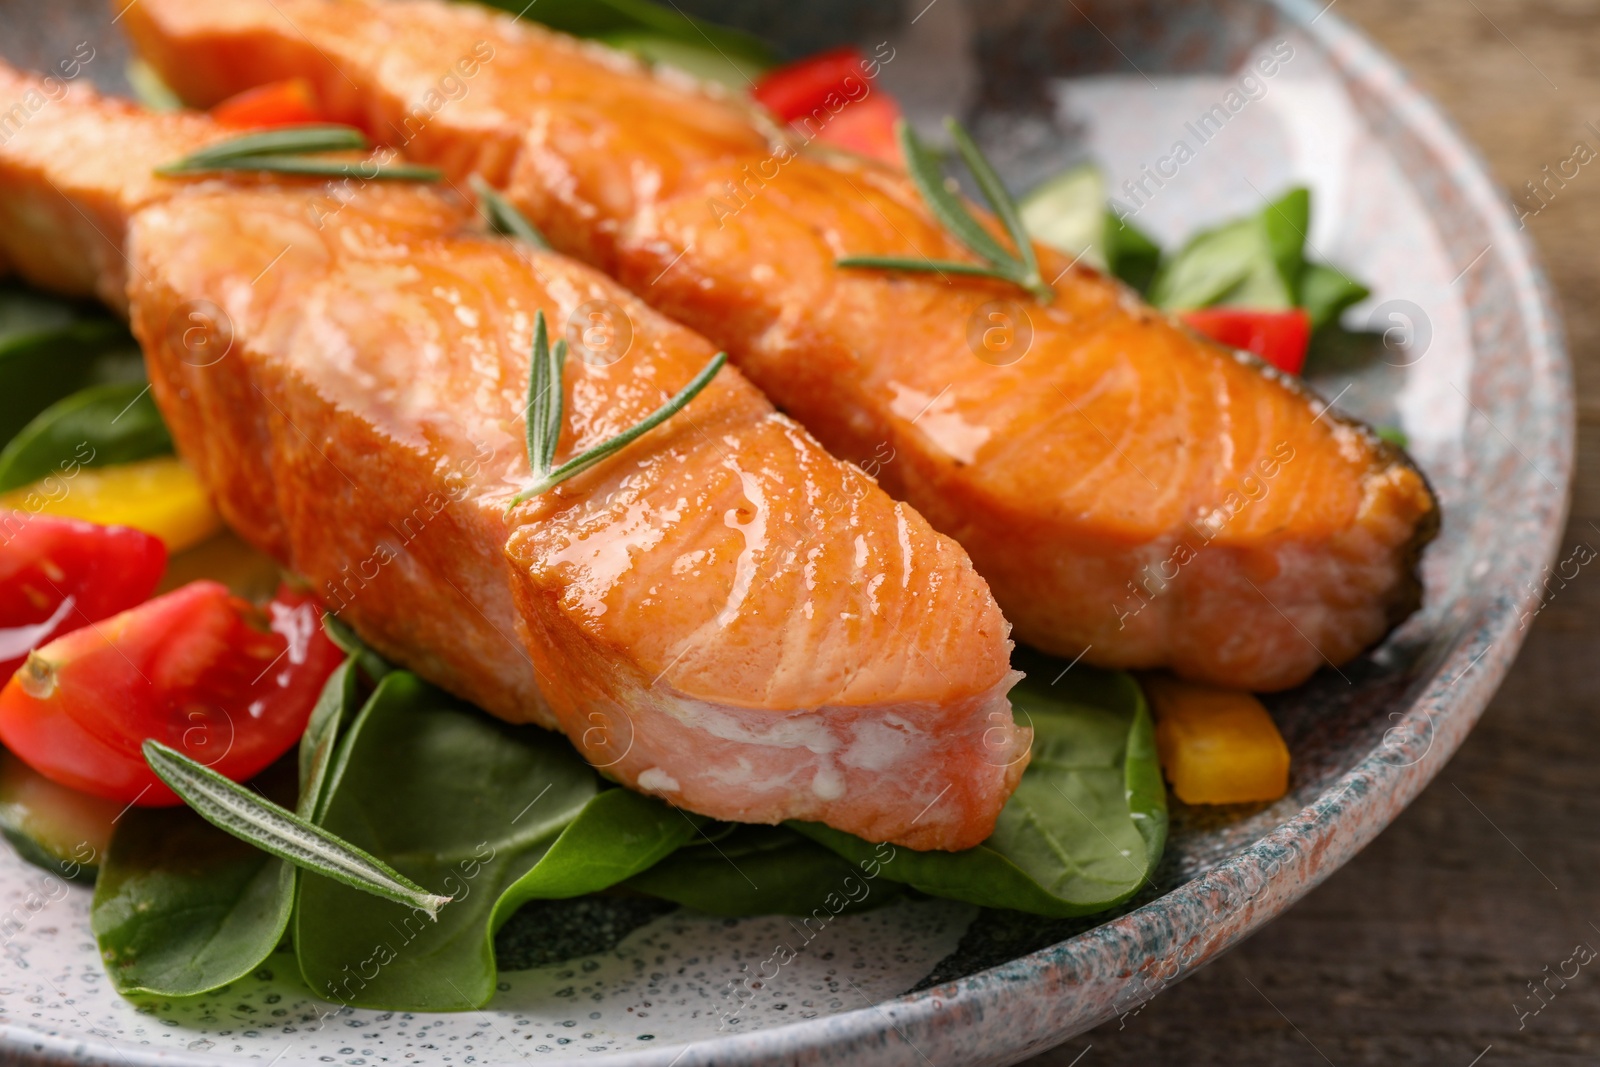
column 1019, row 1008
column 1008, row 1012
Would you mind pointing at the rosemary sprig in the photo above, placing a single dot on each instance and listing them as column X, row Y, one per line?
column 287, row 151
column 1020, row 268
column 319, row 168
column 257, row 821
column 502, row 215
column 994, row 191
column 286, row 139
column 545, row 415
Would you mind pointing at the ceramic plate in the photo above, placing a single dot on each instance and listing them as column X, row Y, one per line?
column 1457, row 345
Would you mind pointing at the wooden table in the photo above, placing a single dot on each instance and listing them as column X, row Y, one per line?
column 1421, row 950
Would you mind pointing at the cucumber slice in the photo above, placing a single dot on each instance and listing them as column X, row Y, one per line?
column 60, row 829
column 603, row 18
column 1068, row 213
column 1230, row 264
column 149, row 89
column 1253, row 262
column 736, row 71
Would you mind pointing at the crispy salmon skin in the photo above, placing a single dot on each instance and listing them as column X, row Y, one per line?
column 1130, row 491
column 722, row 615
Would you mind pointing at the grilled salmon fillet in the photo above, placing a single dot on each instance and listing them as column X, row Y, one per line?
column 722, row 614
column 1132, row 492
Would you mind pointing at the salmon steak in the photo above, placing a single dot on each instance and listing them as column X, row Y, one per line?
column 1132, row 493
column 721, row 614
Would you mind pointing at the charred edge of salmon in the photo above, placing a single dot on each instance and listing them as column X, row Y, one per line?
column 1405, row 596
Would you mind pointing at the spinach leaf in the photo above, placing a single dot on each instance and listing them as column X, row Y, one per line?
column 1132, row 254
column 1326, row 291
column 1394, row 435
column 24, row 313
column 38, row 369
column 335, row 704
column 1285, row 222
column 51, row 348
column 616, row 835
column 1086, row 825
column 464, row 804
column 98, row 426
column 374, row 665
column 181, row 907
column 762, row 870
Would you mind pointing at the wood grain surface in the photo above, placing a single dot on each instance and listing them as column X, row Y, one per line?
column 1422, row 949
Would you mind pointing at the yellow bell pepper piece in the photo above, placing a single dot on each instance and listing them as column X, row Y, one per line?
column 161, row 496
column 1217, row 746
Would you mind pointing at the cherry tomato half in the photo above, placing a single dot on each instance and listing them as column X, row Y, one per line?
column 796, row 89
column 58, row 574
column 833, row 87
column 867, row 127
column 286, row 103
column 197, row 669
column 1279, row 337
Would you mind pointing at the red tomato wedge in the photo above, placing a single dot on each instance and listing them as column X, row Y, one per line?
column 198, row 669
column 1279, row 337
column 867, row 127
column 286, row 103
column 796, row 89
column 829, row 96
column 58, row 574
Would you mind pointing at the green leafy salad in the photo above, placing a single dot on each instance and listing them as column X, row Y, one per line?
column 495, row 816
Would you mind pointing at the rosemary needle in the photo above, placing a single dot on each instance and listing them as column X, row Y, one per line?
column 287, row 139
column 545, row 415
column 503, row 216
column 276, row 830
column 289, row 151
column 1020, row 268
column 546, row 393
column 316, row 168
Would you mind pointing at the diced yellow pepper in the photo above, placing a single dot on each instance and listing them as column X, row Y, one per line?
column 1217, row 746
column 161, row 496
